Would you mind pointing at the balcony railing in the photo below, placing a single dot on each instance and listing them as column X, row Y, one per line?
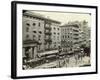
column 75, row 30
column 48, row 39
column 48, row 32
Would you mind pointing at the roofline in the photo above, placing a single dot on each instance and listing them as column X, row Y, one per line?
column 41, row 17
column 68, row 25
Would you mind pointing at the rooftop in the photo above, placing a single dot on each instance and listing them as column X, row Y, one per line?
column 70, row 25
column 39, row 16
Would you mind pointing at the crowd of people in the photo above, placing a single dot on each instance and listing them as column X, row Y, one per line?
column 77, row 55
column 63, row 59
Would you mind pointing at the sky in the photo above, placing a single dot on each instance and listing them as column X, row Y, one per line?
column 65, row 17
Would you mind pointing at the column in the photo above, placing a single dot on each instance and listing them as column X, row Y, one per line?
column 35, row 52
column 30, row 52
column 23, row 52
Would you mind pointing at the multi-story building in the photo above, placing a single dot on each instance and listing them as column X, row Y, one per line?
column 38, row 33
column 52, row 34
column 56, row 35
column 70, row 37
column 47, row 36
column 85, row 33
column 33, row 31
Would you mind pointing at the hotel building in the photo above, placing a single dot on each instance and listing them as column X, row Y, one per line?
column 39, row 33
column 70, row 37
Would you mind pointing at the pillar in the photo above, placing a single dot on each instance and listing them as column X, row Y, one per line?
column 23, row 52
column 35, row 52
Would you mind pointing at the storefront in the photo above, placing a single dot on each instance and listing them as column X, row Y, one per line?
column 30, row 49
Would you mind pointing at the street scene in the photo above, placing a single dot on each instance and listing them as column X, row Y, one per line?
column 55, row 39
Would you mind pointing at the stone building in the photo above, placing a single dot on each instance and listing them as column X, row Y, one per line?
column 33, row 33
column 85, row 33
column 38, row 33
column 56, row 35
column 70, row 37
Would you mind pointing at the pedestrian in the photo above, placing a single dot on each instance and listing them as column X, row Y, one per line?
column 76, row 59
column 59, row 49
column 67, row 60
column 58, row 55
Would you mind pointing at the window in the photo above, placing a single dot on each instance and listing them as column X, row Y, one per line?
column 58, row 28
column 39, row 47
column 39, row 24
column 54, row 28
column 63, row 36
column 34, row 24
column 58, row 37
column 34, row 31
column 40, row 32
column 54, row 33
column 54, row 37
column 27, row 29
column 58, row 33
column 27, row 36
column 39, row 37
column 30, row 16
column 34, row 37
column 54, row 46
column 27, row 24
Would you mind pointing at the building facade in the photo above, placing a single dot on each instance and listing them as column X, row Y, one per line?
column 38, row 33
column 56, row 35
column 70, row 37
column 33, row 31
column 85, row 33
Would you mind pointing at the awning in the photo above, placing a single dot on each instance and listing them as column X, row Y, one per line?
column 29, row 41
column 48, row 52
